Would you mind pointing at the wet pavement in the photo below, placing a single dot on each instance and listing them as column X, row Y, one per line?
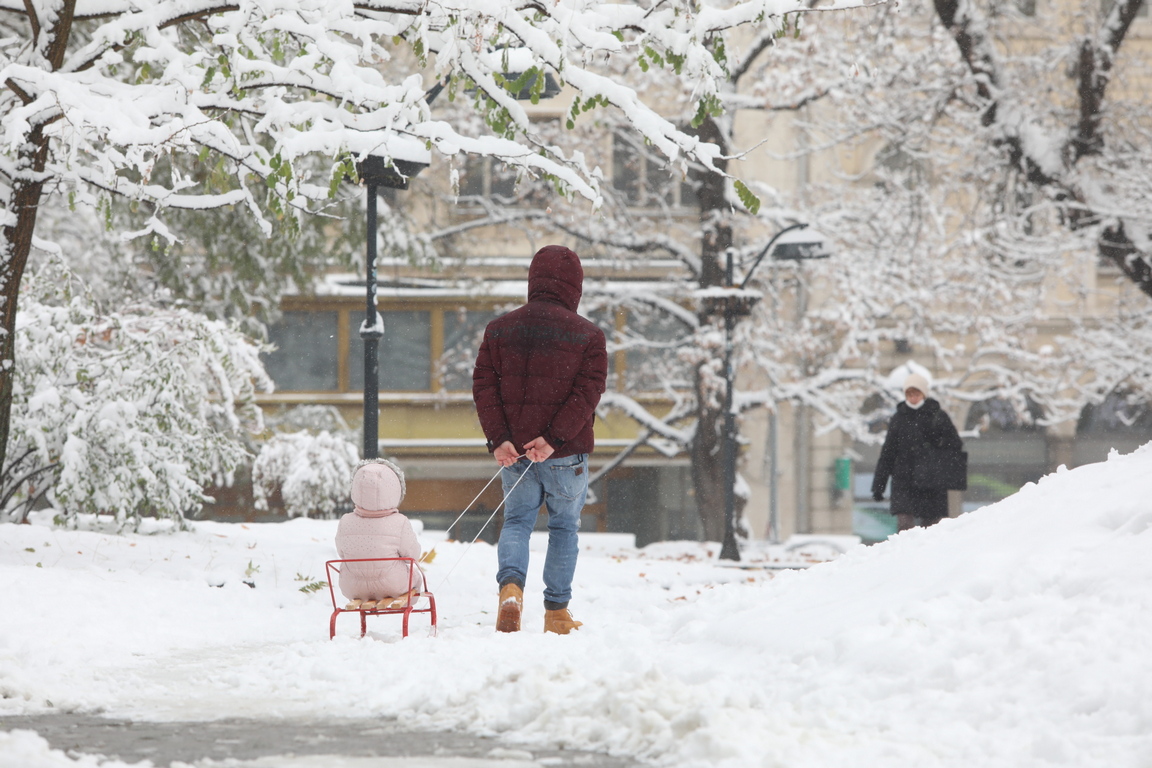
column 282, row 742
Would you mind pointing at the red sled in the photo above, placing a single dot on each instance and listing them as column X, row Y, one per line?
column 407, row 610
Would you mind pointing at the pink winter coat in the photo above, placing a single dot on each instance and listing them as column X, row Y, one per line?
column 376, row 534
column 376, row 529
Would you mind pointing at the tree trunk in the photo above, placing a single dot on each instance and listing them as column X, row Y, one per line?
column 27, row 186
column 707, row 454
column 1117, row 247
column 707, row 450
column 17, row 244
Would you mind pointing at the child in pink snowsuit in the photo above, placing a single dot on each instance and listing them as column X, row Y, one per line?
column 375, row 528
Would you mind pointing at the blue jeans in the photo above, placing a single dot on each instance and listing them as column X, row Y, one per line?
column 562, row 485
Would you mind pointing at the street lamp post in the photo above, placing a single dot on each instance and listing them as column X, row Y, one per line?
column 789, row 248
column 371, row 332
column 728, row 548
column 376, row 172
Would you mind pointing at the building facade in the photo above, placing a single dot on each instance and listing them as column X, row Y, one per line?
column 799, row 478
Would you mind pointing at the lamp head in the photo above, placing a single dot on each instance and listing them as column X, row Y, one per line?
column 392, row 173
column 800, row 244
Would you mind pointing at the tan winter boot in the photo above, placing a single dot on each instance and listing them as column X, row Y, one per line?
column 560, row 622
column 511, row 604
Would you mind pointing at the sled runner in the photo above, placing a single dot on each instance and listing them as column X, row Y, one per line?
column 384, row 606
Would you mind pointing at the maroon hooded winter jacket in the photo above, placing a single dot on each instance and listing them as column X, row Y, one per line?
column 541, row 368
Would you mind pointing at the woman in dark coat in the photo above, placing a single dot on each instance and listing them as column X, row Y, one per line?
column 918, row 420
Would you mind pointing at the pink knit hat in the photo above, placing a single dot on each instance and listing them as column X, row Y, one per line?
column 377, row 487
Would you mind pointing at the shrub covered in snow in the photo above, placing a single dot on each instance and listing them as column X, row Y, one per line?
column 129, row 413
column 312, row 472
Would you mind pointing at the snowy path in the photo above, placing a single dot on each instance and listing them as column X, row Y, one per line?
column 238, row 743
column 1014, row 637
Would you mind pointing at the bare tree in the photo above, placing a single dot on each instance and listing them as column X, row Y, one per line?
column 1072, row 158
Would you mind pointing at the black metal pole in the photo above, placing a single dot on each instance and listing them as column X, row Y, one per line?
column 728, row 548
column 371, row 333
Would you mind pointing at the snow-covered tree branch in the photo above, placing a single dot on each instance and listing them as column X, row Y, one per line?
column 1048, row 153
column 109, row 97
column 127, row 413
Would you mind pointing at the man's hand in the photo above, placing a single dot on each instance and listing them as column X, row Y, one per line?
column 506, row 454
column 538, row 450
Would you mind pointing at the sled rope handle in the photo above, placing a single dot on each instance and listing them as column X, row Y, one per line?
column 490, row 517
column 461, row 515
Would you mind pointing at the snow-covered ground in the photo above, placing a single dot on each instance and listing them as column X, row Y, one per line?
column 1017, row 635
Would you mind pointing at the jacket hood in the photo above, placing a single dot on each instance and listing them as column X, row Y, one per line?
column 377, row 488
column 556, row 275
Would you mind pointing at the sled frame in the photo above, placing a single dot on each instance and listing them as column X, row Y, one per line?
column 331, row 568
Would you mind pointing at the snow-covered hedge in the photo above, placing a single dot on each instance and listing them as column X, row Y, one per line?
column 135, row 411
column 312, row 472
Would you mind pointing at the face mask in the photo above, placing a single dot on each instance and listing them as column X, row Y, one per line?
column 917, row 406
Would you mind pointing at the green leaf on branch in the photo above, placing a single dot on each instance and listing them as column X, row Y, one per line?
column 750, row 201
column 345, row 168
column 514, row 87
column 709, row 106
column 537, row 85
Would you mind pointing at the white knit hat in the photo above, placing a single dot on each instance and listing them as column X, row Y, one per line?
column 916, row 381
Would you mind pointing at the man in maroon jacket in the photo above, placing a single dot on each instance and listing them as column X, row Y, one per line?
column 538, row 378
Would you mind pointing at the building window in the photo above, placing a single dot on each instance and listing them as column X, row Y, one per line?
column 306, row 354
column 1026, row 7
column 895, row 165
column 488, row 178
column 605, row 318
column 1122, row 422
column 640, row 177
column 463, row 332
column 405, row 352
column 654, row 503
column 877, row 410
column 1106, row 7
column 653, row 340
column 999, row 415
column 1121, row 413
column 643, row 348
column 1011, row 449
